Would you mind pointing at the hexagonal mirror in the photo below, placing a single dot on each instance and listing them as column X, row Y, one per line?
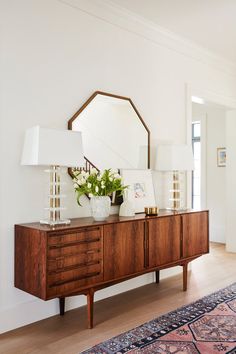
column 114, row 134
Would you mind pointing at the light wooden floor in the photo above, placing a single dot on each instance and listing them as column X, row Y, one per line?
column 68, row 335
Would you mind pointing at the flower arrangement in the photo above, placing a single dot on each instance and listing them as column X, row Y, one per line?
column 97, row 183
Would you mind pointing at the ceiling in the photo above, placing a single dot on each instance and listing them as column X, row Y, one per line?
column 208, row 23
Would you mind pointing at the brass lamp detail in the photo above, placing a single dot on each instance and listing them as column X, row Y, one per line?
column 176, row 191
column 174, row 159
column 55, row 198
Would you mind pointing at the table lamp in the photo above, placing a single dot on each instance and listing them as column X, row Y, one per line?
column 54, row 148
column 175, row 158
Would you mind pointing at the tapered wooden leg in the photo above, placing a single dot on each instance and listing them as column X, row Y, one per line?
column 185, row 276
column 90, row 300
column 62, row 305
column 157, row 276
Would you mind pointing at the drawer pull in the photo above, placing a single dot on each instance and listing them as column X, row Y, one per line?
column 74, row 243
column 72, row 255
column 62, row 282
column 74, row 266
column 91, row 252
column 85, row 229
column 90, row 229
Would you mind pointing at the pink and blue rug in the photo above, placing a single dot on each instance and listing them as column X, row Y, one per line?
column 207, row 326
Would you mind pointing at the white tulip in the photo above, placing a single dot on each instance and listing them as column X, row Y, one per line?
column 82, row 181
column 93, row 171
column 96, row 189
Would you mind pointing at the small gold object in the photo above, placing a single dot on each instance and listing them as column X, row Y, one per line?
column 151, row 211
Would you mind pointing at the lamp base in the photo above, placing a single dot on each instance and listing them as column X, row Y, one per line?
column 175, row 200
column 55, row 222
column 176, row 209
column 55, row 199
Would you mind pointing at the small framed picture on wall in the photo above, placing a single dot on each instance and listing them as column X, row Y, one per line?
column 221, row 157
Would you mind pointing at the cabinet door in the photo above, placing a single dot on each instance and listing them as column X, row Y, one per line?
column 164, row 236
column 195, row 234
column 123, row 249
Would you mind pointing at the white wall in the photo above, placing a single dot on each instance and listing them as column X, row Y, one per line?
column 213, row 121
column 231, row 182
column 53, row 57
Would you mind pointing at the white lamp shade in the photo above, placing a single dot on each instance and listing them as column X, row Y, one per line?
column 174, row 158
column 52, row 147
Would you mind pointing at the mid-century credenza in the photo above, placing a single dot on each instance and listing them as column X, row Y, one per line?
column 85, row 256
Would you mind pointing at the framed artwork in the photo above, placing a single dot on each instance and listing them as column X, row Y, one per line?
column 140, row 189
column 221, row 157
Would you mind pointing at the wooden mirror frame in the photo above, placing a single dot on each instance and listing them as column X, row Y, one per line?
column 88, row 163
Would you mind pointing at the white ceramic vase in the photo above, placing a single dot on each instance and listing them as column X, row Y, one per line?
column 127, row 207
column 100, row 207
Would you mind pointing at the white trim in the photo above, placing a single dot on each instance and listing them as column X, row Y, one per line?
column 36, row 310
column 203, row 139
column 203, row 121
column 14, row 317
column 228, row 102
column 210, row 96
column 188, row 109
column 230, row 182
column 116, row 15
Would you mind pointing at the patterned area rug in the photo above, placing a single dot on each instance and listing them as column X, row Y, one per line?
column 206, row 326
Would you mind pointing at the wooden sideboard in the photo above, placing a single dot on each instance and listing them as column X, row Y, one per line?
column 56, row 262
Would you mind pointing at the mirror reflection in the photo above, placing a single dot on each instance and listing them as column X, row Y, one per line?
column 114, row 134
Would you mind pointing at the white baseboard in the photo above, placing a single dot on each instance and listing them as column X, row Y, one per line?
column 36, row 310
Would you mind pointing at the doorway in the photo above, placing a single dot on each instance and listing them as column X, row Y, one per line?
column 209, row 177
column 220, row 231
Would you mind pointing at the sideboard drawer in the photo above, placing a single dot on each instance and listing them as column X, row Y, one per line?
column 73, row 282
column 76, row 260
column 78, row 236
column 71, row 249
column 82, row 271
